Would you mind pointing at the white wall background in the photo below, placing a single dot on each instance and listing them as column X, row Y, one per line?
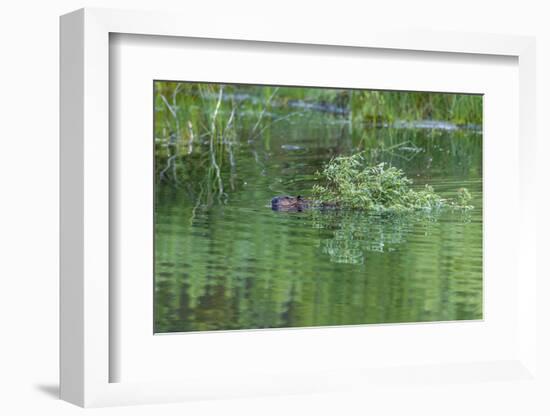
column 29, row 57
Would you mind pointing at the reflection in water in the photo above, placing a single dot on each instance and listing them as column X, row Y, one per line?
column 355, row 232
column 241, row 265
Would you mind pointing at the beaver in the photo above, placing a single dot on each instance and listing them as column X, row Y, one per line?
column 297, row 203
column 290, row 203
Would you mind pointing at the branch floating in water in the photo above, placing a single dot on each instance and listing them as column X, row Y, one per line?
column 349, row 182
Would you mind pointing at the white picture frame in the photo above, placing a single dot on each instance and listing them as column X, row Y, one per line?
column 86, row 356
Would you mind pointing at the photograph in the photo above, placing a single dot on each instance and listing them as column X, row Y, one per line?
column 224, row 208
column 297, row 206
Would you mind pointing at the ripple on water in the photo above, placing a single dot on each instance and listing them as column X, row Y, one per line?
column 241, row 265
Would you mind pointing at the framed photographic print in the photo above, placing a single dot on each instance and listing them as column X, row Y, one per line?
column 311, row 215
column 348, row 237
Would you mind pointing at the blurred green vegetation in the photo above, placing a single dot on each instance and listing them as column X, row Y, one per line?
column 383, row 106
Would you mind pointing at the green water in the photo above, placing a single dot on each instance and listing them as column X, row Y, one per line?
column 239, row 265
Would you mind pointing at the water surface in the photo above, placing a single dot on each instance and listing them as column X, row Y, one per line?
column 239, row 265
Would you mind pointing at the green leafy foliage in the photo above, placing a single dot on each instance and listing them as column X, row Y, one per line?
column 348, row 182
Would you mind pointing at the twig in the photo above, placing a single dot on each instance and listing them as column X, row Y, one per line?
column 262, row 113
column 229, row 143
column 168, row 165
column 212, row 135
column 173, row 112
column 191, row 137
column 230, row 121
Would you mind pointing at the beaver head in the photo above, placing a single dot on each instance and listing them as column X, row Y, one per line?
column 288, row 203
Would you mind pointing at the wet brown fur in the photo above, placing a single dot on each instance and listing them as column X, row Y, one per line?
column 297, row 203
